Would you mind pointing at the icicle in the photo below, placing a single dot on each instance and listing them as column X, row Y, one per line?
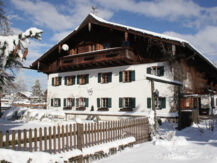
column 173, row 49
column 89, row 27
column 38, row 65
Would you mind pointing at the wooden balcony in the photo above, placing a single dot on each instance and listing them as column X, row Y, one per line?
column 95, row 59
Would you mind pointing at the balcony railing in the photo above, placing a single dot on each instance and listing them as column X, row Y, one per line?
column 99, row 58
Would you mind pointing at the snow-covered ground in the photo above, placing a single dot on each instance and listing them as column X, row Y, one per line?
column 195, row 144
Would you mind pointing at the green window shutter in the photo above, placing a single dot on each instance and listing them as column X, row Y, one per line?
column 51, row 102
column 77, row 102
column 163, row 102
column 59, row 102
column 59, row 80
column 86, row 79
column 110, row 77
column 73, row 80
column 120, row 102
column 78, row 79
column 52, row 81
column 149, row 103
column 98, row 102
column 133, row 102
column 132, row 75
column 64, row 102
column 86, row 102
column 109, row 103
column 65, row 80
column 120, row 76
column 99, row 77
column 149, row 70
column 161, row 71
column 73, row 101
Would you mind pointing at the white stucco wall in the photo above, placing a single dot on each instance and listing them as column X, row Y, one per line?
column 139, row 89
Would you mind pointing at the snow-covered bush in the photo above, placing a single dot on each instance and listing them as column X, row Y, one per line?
column 14, row 113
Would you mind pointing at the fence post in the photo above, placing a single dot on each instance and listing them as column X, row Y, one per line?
column 80, row 135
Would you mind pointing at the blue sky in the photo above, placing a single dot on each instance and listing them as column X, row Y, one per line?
column 192, row 20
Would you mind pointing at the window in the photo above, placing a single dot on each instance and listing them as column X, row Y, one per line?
column 106, row 45
column 69, row 80
column 156, row 70
column 127, row 76
column 69, row 102
column 105, row 77
column 93, row 47
column 56, row 81
column 187, row 102
column 104, row 102
column 127, row 102
column 56, row 102
column 83, row 79
column 82, row 102
column 160, row 103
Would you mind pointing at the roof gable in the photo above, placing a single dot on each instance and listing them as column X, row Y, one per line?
column 91, row 18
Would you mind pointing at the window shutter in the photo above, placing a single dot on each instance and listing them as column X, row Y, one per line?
column 110, row 77
column 59, row 102
column 133, row 102
column 86, row 79
column 132, row 75
column 161, row 71
column 77, row 102
column 73, row 80
column 149, row 70
column 73, row 102
column 86, row 102
column 109, row 102
column 52, row 82
column 163, row 102
column 59, row 80
column 65, row 80
column 99, row 77
column 51, row 102
column 120, row 102
column 78, row 79
column 64, row 102
column 120, row 76
column 98, row 102
column 149, row 103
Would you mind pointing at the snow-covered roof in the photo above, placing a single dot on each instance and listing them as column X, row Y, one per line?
column 163, row 79
column 154, row 34
column 128, row 28
column 26, row 93
column 138, row 29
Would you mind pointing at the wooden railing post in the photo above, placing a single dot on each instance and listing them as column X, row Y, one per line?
column 80, row 131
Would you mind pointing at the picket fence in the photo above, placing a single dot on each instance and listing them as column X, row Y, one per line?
column 74, row 136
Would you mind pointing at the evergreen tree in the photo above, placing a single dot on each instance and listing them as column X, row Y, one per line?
column 13, row 50
column 37, row 93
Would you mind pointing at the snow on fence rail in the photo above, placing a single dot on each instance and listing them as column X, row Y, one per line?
column 74, row 136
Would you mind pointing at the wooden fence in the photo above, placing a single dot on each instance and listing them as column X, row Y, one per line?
column 74, row 136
